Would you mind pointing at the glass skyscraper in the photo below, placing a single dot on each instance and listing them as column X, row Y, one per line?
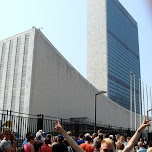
column 115, row 52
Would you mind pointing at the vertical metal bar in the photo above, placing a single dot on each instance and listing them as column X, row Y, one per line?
column 147, row 101
column 2, row 122
column 140, row 100
column 131, row 100
column 10, row 121
column 150, row 101
column 95, row 113
column 143, row 99
column 135, row 101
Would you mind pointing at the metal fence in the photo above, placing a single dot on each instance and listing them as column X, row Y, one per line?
column 21, row 123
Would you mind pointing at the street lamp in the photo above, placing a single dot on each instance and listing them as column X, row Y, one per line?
column 100, row 92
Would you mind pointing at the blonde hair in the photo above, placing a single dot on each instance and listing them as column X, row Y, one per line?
column 149, row 149
column 120, row 146
column 107, row 141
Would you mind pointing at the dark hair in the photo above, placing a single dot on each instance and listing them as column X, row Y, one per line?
column 81, row 135
column 105, row 135
column 97, row 144
column 28, row 134
column 150, row 144
column 48, row 136
column 1, row 135
column 65, row 142
column 31, row 137
column 100, row 136
column 47, row 141
column 88, row 138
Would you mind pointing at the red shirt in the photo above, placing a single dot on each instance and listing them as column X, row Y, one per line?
column 46, row 148
column 87, row 147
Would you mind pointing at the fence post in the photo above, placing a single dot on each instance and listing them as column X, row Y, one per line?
column 76, row 129
column 10, row 121
column 39, row 122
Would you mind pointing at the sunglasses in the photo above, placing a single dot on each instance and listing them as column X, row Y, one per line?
column 8, row 134
column 106, row 150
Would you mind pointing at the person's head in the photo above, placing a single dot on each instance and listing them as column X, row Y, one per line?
column 55, row 139
column 99, row 131
column 122, row 139
column 128, row 138
column 105, row 136
column 60, row 138
column 117, row 137
column 145, row 139
column 97, row 145
column 38, row 136
column 140, row 144
column 120, row 146
column 136, row 148
column 141, row 139
column 150, row 144
column 1, row 136
column 69, row 133
column 47, row 141
column 31, row 139
column 94, row 135
column 49, row 136
column 41, row 131
column 111, row 137
column 107, row 145
column 149, row 149
column 87, row 134
column 76, row 138
column 12, row 137
column 81, row 135
column 7, row 134
column 100, row 137
column 28, row 134
column 88, row 139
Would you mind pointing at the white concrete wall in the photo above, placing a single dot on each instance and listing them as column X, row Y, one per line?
column 58, row 90
column 19, row 67
column 97, row 61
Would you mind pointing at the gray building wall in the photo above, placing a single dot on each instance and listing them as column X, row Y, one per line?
column 97, row 61
column 54, row 88
column 15, row 71
column 58, row 90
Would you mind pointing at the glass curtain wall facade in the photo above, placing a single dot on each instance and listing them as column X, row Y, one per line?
column 123, row 55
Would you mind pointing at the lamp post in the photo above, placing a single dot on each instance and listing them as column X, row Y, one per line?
column 95, row 110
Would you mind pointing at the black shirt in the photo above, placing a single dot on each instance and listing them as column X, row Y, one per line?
column 59, row 147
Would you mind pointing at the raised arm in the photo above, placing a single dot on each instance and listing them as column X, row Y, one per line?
column 136, row 136
column 70, row 140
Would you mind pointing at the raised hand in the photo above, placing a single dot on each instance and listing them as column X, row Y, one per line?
column 58, row 126
column 70, row 140
column 145, row 123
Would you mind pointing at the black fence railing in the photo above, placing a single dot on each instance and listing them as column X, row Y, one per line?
column 21, row 123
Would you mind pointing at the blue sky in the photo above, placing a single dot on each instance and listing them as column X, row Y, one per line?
column 64, row 23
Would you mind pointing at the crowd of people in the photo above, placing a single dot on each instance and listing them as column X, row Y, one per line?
column 64, row 142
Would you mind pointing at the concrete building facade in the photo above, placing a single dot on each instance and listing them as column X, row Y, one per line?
column 40, row 80
column 113, row 51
